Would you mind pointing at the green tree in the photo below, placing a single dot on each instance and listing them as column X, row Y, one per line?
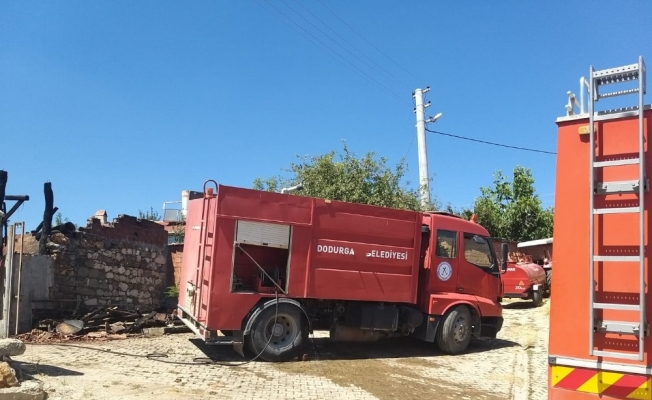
column 364, row 180
column 178, row 231
column 60, row 220
column 513, row 210
column 149, row 215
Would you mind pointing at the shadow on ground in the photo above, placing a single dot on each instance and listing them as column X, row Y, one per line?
column 520, row 305
column 45, row 369
column 324, row 349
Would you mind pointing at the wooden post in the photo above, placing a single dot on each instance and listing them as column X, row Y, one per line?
column 47, row 217
column 3, row 186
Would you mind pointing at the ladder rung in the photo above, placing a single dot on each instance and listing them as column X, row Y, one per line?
column 624, row 328
column 618, row 93
column 615, row 163
column 616, row 258
column 616, row 354
column 614, row 306
column 624, row 112
column 617, row 210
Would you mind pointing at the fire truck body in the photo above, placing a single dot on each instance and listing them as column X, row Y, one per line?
column 261, row 269
column 599, row 345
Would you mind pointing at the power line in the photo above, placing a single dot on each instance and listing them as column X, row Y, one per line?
column 389, row 74
column 325, row 34
column 491, row 143
column 365, row 39
column 387, row 90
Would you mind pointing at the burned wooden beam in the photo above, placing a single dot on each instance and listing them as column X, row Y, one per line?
column 3, row 220
column 47, row 217
column 40, row 224
column 19, row 201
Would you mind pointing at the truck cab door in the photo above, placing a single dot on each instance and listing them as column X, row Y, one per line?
column 479, row 273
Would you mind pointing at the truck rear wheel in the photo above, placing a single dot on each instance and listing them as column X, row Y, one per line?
column 548, row 282
column 454, row 334
column 279, row 337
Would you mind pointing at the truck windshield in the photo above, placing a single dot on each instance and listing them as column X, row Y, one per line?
column 477, row 250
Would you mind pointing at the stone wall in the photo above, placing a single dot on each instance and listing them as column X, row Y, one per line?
column 121, row 263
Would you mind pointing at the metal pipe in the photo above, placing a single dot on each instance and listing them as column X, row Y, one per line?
column 292, row 188
column 20, row 269
column 583, row 86
column 591, row 215
column 641, row 220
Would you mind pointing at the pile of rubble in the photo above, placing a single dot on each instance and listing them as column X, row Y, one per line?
column 108, row 323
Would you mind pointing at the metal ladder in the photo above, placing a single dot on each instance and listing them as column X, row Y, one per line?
column 639, row 329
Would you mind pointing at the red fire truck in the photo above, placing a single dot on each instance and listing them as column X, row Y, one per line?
column 262, row 270
column 600, row 345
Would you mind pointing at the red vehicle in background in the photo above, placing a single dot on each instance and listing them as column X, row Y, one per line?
column 540, row 251
column 262, row 270
column 524, row 279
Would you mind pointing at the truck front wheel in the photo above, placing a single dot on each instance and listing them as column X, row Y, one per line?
column 537, row 298
column 278, row 337
column 454, row 334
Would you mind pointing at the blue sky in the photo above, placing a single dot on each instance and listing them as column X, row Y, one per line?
column 121, row 105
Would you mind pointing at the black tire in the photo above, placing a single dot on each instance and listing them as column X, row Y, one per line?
column 537, row 298
column 289, row 333
column 548, row 282
column 454, row 334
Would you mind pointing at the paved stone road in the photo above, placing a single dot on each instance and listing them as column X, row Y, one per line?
column 510, row 367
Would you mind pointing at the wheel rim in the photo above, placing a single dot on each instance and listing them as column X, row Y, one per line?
column 460, row 329
column 282, row 330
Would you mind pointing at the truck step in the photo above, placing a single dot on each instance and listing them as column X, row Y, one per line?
column 616, row 306
column 616, row 75
column 618, row 187
column 222, row 341
column 616, row 210
column 597, row 258
column 616, row 354
column 624, row 328
column 615, row 163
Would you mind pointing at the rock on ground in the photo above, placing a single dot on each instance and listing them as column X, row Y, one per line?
column 7, row 376
column 11, row 347
column 28, row 390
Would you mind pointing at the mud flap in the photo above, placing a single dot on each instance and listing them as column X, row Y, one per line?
column 238, row 342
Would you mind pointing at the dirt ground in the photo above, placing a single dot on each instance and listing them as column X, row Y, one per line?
column 513, row 366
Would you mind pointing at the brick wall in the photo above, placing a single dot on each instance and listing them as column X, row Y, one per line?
column 175, row 252
column 128, row 228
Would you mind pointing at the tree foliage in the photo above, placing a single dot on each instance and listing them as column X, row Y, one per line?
column 60, row 220
column 150, row 215
column 364, row 180
column 513, row 210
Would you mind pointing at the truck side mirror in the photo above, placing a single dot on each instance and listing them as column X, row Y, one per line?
column 503, row 256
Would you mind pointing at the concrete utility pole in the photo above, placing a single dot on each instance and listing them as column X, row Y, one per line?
column 419, row 109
